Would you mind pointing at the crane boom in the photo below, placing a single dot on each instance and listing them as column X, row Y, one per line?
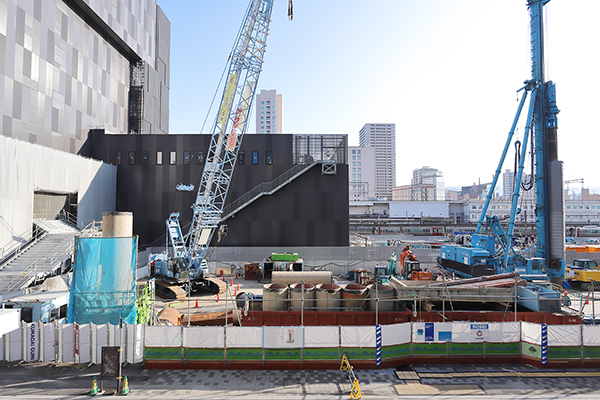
column 245, row 65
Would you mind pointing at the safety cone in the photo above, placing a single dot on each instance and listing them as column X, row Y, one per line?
column 94, row 387
column 235, row 293
column 223, row 278
column 236, row 275
column 231, row 282
column 196, row 303
column 217, row 297
column 125, row 391
column 238, row 287
column 169, row 304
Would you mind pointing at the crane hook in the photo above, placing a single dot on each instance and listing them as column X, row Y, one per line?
column 290, row 10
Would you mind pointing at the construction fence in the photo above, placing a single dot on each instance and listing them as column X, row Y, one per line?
column 374, row 345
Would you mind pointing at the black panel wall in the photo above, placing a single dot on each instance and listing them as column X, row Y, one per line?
column 311, row 211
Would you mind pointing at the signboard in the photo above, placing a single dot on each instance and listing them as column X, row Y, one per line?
column 110, row 361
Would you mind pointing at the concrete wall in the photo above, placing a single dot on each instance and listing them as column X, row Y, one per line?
column 26, row 168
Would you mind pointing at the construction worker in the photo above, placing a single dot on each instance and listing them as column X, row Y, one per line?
column 406, row 253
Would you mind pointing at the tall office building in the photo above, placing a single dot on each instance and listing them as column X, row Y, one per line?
column 508, row 183
column 269, row 113
column 382, row 137
column 72, row 65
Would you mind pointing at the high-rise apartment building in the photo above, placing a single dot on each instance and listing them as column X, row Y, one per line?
column 382, row 138
column 269, row 112
column 72, row 65
column 508, row 183
column 361, row 173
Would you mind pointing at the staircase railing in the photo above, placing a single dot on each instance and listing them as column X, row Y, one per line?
column 13, row 250
column 30, row 273
column 93, row 229
column 68, row 217
column 265, row 188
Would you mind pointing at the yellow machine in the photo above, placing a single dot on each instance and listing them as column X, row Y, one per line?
column 584, row 272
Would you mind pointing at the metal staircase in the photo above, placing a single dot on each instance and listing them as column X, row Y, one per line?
column 265, row 189
column 43, row 258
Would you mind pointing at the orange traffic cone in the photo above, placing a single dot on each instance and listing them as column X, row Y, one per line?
column 231, row 282
column 217, row 297
column 223, row 278
column 235, row 293
column 236, row 275
column 196, row 303
column 238, row 287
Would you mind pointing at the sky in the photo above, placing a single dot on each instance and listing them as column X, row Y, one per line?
column 445, row 72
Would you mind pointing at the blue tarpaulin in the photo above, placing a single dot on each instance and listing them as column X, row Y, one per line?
column 103, row 286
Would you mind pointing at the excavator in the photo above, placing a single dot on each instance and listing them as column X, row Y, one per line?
column 182, row 267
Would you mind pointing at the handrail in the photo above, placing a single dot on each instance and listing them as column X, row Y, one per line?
column 30, row 272
column 67, row 217
column 92, row 229
column 12, row 251
column 265, row 187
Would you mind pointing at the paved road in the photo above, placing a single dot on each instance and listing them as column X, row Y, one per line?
column 42, row 381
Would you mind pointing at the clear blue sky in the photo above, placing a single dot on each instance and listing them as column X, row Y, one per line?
column 444, row 71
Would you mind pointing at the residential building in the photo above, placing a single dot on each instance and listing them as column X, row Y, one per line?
column 361, row 173
column 269, row 112
column 382, row 138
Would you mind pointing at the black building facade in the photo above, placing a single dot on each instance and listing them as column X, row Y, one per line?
column 311, row 210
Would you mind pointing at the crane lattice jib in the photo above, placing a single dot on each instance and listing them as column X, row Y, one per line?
column 245, row 65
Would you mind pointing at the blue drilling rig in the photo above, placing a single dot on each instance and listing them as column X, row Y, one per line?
column 491, row 250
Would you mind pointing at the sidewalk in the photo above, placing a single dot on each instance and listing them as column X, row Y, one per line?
column 38, row 381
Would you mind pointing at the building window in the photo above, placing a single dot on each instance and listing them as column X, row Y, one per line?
column 200, row 158
column 131, row 157
column 242, row 158
column 145, row 157
column 353, row 151
column 353, row 169
column 118, row 157
column 269, row 158
column 173, row 158
column 268, row 102
column 159, row 158
column 255, row 158
column 262, row 107
column 262, row 102
column 186, row 157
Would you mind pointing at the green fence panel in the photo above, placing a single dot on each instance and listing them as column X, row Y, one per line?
column 503, row 349
column 591, row 352
column 360, row 353
column 251, row 354
column 401, row 350
column 283, row 354
column 465, row 349
column 429, row 349
column 194, row 354
column 162, row 353
column 322, row 353
column 564, row 352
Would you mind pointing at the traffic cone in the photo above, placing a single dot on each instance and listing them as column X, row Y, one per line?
column 125, row 391
column 196, row 303
column 217, row 297
column 223, row 278
column 94, row 387
column 235, row 293
column 236, row 275
column 238, row 287
column 231, row 282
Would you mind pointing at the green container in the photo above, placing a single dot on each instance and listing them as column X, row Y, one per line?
column 284, row 256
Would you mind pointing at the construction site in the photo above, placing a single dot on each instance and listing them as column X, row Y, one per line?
column 231, row 251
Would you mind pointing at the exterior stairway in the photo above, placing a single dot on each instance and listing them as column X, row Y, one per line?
column 265, row 189
column 43, row 258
